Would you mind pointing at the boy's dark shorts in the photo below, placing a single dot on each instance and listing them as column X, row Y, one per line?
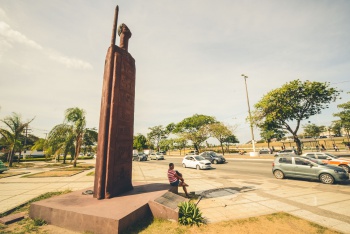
column 176, row 183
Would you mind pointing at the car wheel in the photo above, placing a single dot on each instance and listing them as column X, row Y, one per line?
column 198, row 167
column 326, row 178
column 345, row 167
column 184, row 165
column 278, row 174
column 215, row 162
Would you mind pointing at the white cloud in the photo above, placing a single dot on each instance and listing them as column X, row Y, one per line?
column 14, row 36
column 70, row 62
column 9, row 36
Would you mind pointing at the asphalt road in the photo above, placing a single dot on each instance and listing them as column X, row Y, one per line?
column 246, row 167
column 255, row 167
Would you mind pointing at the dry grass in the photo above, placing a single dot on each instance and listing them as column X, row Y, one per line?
column 28, row 225
column 92, row 173
column 56, row 173
column 272, row 224
column 16, row 165
column 11, row 173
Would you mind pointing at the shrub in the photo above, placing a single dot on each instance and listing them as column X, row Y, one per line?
column 189, row 214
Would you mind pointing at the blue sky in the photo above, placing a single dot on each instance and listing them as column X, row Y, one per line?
column 189, row 56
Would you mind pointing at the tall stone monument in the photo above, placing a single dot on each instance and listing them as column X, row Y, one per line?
column 115, row 137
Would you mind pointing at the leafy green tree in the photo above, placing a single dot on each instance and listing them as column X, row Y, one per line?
column 313, row 130
column 89, row 139
column 295, row 101
column 140, row 142
column 194, row 128
column 269, row 131
column 12, row 132
column 220, row 132
column 180, row 143
column 344, row 117
column 156, row 134
column 166, row 144
column 230, row 140
column 335, row 127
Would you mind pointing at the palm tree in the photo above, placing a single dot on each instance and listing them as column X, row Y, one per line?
column 11, row 135
column 89, row 139
column 75, row 117
column 61, row 140
column 67, row 137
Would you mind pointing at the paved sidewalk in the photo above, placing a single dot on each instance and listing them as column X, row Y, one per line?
column 228, row 196
column 224, row 195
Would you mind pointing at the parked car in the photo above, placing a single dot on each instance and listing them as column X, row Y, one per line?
column 196, row 161
column 156, row 156
column 192, row 152
column 329, row 159
column 213, row 157
column 2, row 167
column 144, row 156
column 139, row 157
column 298, row 167
column 264, row 151
column 285, row 152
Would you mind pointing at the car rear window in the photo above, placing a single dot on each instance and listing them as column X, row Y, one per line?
column 285, row 160
column 322, row 157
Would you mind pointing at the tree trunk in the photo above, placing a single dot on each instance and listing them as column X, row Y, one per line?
column 10, row 157
column 77, row 150
column 298, row 143
column 222, row 148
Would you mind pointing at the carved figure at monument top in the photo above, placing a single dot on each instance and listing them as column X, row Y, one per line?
column 124, row 33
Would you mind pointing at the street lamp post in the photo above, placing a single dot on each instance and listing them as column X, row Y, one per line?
column 250, row 115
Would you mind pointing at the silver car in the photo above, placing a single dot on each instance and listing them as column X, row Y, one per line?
column 298, row 167
column 156, row 156
column 285, row 152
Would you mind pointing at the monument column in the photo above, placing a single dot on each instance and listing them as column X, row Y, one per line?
column 115, row 138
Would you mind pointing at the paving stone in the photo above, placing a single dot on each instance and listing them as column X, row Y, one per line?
column 12, row 218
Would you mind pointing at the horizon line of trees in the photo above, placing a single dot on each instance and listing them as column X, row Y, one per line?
column 274, row 115
column 194, row 130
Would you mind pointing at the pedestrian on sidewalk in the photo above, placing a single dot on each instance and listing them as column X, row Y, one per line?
column 176, row 179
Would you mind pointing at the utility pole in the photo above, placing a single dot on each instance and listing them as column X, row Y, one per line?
column 250, row 116
column 25, row 137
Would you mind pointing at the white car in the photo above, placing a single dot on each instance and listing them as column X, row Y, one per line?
column 196, row 161
column 156, row 156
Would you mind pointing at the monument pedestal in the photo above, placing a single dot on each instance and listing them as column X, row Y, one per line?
column 83, row 213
